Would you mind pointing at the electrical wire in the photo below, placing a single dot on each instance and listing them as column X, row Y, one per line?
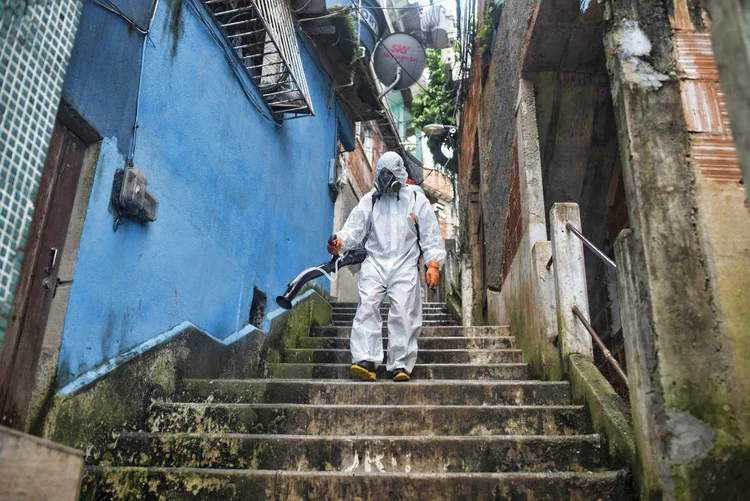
column 413, row 7
column 237, row 67
column 108, row 5
column 335, row 274
column 303, row 7
column 339, row 13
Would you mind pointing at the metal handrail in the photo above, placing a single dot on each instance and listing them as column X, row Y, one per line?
column 613, row 362
column 591, row 246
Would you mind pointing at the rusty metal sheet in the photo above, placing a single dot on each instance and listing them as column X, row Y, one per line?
column 716, row 157
column 695, row 56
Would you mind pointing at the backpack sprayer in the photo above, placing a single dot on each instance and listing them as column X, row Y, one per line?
column 329, row 269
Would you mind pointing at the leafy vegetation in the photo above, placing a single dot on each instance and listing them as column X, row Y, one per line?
column 436, row 105
column 484, row 36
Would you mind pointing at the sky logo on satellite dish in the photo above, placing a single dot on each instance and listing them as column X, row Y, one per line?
column 400, row 52
column 399, row 61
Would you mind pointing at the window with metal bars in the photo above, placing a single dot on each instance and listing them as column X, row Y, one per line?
column 262, row 33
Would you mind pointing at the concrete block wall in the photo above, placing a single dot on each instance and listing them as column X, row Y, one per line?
column 683, row 265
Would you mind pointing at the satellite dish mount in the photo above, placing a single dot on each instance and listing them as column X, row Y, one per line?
column 399, row 60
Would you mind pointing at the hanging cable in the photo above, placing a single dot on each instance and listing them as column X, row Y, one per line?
column 108, row 5
column 332, row 276
column 237, row 67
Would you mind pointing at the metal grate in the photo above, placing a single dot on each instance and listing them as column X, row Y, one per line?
column 262, row 33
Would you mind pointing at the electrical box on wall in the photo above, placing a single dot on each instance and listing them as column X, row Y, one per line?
column 333, row 188
column 131, row 198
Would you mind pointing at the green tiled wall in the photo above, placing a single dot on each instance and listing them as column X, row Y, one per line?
column 36, row 39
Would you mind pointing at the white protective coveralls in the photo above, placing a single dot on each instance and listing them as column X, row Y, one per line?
column 391, row 266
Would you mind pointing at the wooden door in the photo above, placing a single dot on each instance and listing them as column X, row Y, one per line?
column 38, row 280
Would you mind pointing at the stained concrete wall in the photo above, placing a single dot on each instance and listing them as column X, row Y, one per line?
column 469, row 203
column 345, row 288
column 682, row 272
column 496, row 128
column 579, row 162
column 526, row 301
column 243, row 202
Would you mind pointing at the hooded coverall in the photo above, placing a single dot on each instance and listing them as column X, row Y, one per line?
column 391, row 267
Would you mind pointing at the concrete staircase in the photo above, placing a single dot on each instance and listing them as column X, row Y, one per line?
column 471, row 425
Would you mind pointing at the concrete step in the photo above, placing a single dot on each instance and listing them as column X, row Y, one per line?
column 385, row 308
column 425, row 323
column 421, row 371
column 332, row 391
column 427, row 331
column 425, row 305
column 425, row 343
column 397, row 420
column 185, row 483
column 358, row 453
column 341, row 356
column 348, row 317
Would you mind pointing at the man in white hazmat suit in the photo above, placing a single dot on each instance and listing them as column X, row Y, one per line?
column 396, row 220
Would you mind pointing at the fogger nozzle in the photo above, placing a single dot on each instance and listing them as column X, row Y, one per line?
column 337, row 262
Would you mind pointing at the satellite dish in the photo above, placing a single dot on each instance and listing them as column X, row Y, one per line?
column 399, row 61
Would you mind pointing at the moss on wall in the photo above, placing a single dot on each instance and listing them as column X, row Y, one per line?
column 609, row 413
column 122, row 398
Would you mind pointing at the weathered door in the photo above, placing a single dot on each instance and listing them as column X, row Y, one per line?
column 38, row 280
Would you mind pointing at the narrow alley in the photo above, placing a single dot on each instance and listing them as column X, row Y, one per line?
column 374, row 250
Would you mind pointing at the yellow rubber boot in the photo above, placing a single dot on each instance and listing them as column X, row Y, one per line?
column 363, row 370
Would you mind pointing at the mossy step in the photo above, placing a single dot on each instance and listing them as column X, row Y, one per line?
column 341, row 356
column 434, row 331
column 423, row 371
column 400, row 420
column 110, row 483
column 345, row 453
column 425, row 343
column 425, row 392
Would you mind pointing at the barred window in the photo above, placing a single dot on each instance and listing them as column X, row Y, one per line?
column 262, row 33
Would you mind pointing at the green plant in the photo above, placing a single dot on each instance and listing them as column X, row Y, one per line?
column 484, row 35
column 436, row 105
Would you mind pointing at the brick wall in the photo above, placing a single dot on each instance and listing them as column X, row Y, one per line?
column 713, row 149
column 514, row 224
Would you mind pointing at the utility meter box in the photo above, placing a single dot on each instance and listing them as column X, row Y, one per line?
column 131, row 198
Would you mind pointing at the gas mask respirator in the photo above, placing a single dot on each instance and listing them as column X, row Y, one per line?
column 387, row 183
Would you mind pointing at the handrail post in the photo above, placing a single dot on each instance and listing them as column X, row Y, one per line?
column 570, row 280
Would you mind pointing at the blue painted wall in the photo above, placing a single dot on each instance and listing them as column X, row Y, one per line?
column 102, row 79
column 243, row 202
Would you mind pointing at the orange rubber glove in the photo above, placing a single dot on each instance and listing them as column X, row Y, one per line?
column 335, row 247
column 433, row 274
